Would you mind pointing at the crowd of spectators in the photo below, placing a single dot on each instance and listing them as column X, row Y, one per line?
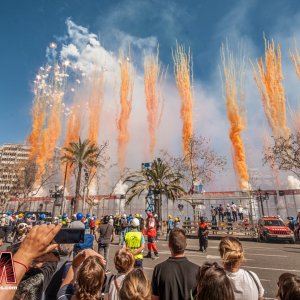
column 41, row 273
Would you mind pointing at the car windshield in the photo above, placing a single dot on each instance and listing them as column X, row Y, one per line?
column 273, row 223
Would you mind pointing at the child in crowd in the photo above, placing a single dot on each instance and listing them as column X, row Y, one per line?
column 213, row 283
column 88, row 272
column 124, row 262
column 246, row 285
column 288, row 287
column 136, row 286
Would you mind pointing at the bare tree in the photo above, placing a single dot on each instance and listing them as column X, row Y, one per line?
column 201, row 163
column 284, row 154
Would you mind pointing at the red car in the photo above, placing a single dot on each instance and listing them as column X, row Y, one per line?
column 273, row 229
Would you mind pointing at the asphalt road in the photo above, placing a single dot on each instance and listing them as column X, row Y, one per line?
column 267, row 260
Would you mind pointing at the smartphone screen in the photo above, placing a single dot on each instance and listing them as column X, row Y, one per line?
column 70, row 236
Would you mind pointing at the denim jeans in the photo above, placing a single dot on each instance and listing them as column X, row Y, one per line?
column 103, row 249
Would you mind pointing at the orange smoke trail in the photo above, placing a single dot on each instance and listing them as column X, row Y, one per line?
column 234, row 102
column 126, row 87
column 38, row 118
column 269, row 78
column 151, row 81
column 72, row 133
column 295, row 57
column 95, row 104
column 182, row 70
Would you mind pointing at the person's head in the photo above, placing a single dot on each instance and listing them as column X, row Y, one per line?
column 213, row 284
column 135, row 286
column 123, row 260
column 202, row 220
column 90, row 278
column 135, row 223
column 22, row 228
column 232, row 252
column 79, row 216
column 106, row 219
column 177, row 241
column 288, row 287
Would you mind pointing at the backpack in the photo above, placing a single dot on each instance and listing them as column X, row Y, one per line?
column 7, row 221
column 124, row 225
column 92, row 224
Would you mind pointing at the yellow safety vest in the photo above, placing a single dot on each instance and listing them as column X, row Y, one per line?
column 133, row 241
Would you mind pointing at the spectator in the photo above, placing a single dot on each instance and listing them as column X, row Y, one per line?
column 221, row 212
column 175, row 278
column 202, row 235
column 106, row 235
column 36, row 244
column 170, row 226
column 246, row 285
column 234, row 211
column 88, row 271
column 241, row 212
column 135, row 286
column 38, row 277
column 213, row 213
column 78, row 224
column 135, row 241
column 213, row 284
column 124, row 262
column 288, row 287
column 123, row 229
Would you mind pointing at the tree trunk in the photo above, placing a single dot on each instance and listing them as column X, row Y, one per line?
column 78, row 204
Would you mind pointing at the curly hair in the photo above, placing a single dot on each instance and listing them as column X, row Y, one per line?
column 231, row 251
column 90, row 279
column 136, row 286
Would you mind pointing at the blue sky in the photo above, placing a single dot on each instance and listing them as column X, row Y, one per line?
column 27, row 28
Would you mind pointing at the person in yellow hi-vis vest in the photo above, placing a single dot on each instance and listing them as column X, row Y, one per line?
column 135, row 241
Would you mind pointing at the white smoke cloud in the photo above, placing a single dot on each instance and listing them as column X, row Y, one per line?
column 120, row 188
column 293, row 182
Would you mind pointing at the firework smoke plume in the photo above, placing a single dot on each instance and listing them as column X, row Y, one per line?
column 126, row 87
column 95, row 104
column 269, row 78
column 182, row 70
column 151, row 82
column 234, row 88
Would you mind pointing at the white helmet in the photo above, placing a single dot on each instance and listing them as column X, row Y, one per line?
column 4, row 216
column 124, row 216
column 135, row 222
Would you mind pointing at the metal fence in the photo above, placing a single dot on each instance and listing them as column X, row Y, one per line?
column 284, row 203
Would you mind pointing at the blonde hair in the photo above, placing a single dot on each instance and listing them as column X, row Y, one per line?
column 90, row 279
column 136, row 286
column 231, row 251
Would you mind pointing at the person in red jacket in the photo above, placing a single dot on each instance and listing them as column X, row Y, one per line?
column 151, row 233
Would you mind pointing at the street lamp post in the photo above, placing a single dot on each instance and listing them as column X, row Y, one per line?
column 262, row 197
column 56, row 194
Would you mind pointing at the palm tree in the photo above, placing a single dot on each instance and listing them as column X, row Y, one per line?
column 158, row 178
column 80, row 154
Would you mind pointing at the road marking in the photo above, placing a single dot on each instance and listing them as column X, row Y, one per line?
column 146, row 268
column 284, row 270
column 257, row 254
